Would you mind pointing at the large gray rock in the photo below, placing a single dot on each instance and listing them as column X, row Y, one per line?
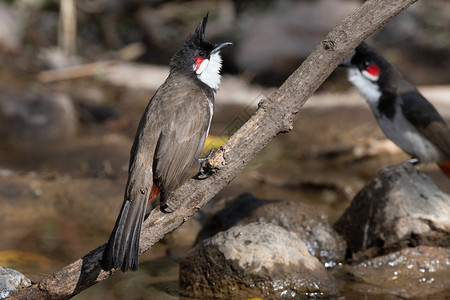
column 254, row 260
column 11, row 281
column 401, row 207
column 305, row 221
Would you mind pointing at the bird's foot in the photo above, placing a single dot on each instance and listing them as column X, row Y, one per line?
column 203, row 172
column 410, row 162
column 413, row 161
column 202, row 160
column 166, row 208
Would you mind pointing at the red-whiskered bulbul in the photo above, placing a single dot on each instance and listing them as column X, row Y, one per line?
column 169, row 140
column 402, row 113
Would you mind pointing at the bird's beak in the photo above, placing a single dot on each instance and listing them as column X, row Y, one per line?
column 345, row 64
column 220, row 46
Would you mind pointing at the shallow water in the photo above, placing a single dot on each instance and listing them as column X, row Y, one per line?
column 58, row 209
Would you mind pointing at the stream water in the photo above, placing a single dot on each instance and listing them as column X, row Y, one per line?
column 59, row 205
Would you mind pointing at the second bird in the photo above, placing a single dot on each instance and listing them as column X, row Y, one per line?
column 403, row 114
column 169, row 140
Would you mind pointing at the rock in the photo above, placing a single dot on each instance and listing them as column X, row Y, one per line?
column 311, row 226
column 411, row 272
column 45, row 118
column 11, row 281
column 253, row 260
column 401, row 207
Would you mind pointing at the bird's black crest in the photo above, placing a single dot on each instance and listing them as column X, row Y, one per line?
column 366, row 54
column 365, row 49
column 201, row 28
column 197, row 40
column 184, row 59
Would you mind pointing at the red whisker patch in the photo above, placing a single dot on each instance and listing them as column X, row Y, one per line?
column 373, row 70
column 198, row 62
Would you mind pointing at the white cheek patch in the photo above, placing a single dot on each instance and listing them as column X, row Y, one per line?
column 203, row 65
column 210, row 74
column 369, row 76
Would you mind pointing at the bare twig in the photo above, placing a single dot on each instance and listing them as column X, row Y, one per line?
column 75, row 71
column 275, row 115
column 67, row 34
column 127, row 53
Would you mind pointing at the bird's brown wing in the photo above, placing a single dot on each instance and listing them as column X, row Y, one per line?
column 439, row 134
column 122, row 249
column 171, row 135
column 419, row 112
column 140, row 170
column 181, row 140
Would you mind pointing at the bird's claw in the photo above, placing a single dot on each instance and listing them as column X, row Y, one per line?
column 165, row 208
column 202, row 161
column 413, row 161
column 410, row 162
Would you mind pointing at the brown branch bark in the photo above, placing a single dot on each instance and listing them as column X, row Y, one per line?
column 275, row 115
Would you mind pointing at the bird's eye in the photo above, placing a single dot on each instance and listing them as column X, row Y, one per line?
column 202, row 54
column 363, row 65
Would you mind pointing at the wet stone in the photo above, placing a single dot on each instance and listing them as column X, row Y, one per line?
column 305, row 221
column 401, row 207
column 409, row 273
column 11, row 281
column 253, row 260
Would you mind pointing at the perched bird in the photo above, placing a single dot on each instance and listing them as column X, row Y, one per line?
column 402, row 113
column 169, row 140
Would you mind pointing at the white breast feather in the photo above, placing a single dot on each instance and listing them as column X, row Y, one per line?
column 211, row 111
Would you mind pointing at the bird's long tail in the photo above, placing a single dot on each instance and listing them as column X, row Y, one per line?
column 445, row 167
column 122, row 249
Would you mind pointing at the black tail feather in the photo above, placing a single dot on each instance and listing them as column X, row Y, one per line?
column 122, row 249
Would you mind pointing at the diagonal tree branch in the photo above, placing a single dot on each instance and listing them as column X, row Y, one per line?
column 275, row 115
